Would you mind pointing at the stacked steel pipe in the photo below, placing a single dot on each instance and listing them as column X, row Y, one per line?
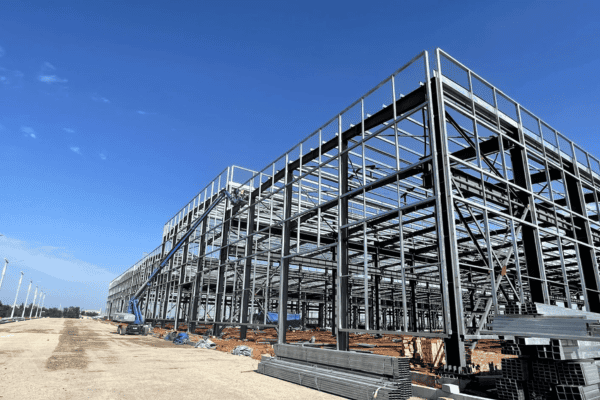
column 546, row 367
column 343, row 373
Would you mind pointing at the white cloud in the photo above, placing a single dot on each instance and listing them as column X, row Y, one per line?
column 102, row 156
column 51, row 79
column 75, row 149
column 69, row 130
column 142, row 112
column 46, row 74
column 28, row 131
column 100, row 99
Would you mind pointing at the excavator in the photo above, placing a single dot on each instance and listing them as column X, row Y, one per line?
column 133, row 321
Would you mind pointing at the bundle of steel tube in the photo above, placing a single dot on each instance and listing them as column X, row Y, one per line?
column 344, row 373
column 390, row 367
column 345, row 384
column 567, row 392
column 584, row 373
column 551, row 369
column 568, row 327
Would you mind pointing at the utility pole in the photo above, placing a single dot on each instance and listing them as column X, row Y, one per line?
column 17, row 295
column 40, row 310
column 3, row 272
column 33, row 303
column 26, row 299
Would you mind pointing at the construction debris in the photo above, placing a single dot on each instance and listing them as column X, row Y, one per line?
column 242, row 351
column 205, row 344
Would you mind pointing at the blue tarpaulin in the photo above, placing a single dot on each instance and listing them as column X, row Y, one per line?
column 273, row 317
column 182, row 338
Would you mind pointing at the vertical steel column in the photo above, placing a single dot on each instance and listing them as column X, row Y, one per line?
column 320, row 316
column 325, row 300
column 193, row 316
column 165, row 303
column 343, row 338
column 181, row 280
column 531, row 240
column 223, row 259
column 376, row 302
column 376, row 296
column 334, row 291
column 284, row 265
column 413, row 302
column 167, row 276
column 583, row 232
column 248, row 266
column 449, row 265
column 303, row 312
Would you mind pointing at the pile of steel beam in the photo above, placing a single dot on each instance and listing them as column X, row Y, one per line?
column 510, row 348
column 515, row 368
column 343, row 373
column 510, row 389
column 560, row 349
column 545, row 370
column 568, row 327
column 578, row 392
column 546, row 321
column 580, row 373
column 550, row 369
column 391, row 367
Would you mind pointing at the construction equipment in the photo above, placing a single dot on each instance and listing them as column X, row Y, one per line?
column 132, row 322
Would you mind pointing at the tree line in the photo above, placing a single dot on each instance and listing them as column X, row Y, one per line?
column 68, row 312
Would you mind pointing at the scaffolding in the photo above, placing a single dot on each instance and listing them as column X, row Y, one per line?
column 427, row 206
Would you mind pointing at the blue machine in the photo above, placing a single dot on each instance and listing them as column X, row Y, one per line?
column 136, row 327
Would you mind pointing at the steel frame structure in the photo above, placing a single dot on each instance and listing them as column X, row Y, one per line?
column 423, row 208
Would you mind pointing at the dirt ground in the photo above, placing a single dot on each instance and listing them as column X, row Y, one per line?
column 86, row 359
column 486, row 352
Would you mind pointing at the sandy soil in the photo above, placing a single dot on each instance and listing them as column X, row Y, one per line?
column 81, row 359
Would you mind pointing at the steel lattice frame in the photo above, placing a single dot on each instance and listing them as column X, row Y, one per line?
column 431, row 203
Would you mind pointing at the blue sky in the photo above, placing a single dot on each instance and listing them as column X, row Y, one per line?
column 114, row 114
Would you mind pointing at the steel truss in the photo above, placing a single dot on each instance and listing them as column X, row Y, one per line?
column 423, row 208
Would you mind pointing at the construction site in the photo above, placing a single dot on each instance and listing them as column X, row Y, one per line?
column 435, row 236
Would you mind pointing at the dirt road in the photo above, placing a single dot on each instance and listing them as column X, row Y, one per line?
column 81, row 359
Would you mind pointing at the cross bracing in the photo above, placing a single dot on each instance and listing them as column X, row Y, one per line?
column 424, row 208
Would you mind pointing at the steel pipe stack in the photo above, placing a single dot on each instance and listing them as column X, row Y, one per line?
column 549, row 367
column 343, row 373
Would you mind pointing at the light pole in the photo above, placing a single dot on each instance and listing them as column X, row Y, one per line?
column 38, row 303
column 26, row 299
column 40, row 309
column 33, row 303
column 3, row 272
column 16, row 296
